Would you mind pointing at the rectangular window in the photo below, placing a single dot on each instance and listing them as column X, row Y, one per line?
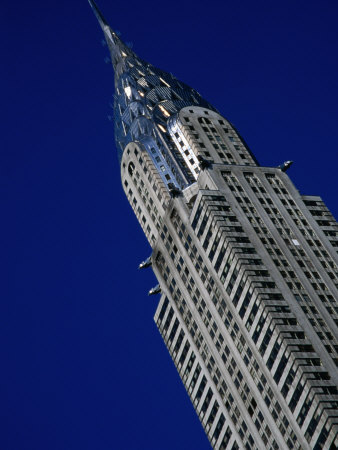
column 189, row 365
column 163, row 310
column 173, row 331
column 200, row 389
column 206, row 402
column 219, row 427
column 213, row 413
column 184, row 353
column 179, row 342
column 194, row 378
column 273, row 355
column 245, row 305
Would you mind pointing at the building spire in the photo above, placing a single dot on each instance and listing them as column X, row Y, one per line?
column 145, row 98
column 118, row 49
column 102, row 21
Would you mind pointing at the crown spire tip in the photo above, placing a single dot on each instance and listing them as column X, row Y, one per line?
column 98, row 13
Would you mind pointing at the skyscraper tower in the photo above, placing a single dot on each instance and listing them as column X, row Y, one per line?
column 247, row 266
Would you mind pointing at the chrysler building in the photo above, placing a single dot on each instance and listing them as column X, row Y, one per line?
column 246, row 265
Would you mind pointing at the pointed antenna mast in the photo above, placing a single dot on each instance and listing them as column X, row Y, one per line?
column 98, row 14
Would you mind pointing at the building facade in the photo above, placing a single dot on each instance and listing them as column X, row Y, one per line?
column 247, row 266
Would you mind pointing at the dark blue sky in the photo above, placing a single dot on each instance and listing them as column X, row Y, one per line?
column 82, row 364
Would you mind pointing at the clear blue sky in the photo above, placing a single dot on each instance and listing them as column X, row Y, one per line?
column 82, row 364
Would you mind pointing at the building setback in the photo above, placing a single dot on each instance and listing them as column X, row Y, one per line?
column 246, row 265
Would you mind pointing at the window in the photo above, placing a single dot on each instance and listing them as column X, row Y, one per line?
column 200, row 389
column 219, row 427
column 131, row 168
column 194, row 378
column 206, row 402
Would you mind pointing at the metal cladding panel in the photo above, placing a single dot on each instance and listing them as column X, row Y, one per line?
column 145, row 98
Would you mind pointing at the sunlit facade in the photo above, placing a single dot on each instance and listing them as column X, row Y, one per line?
column 246, row 265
